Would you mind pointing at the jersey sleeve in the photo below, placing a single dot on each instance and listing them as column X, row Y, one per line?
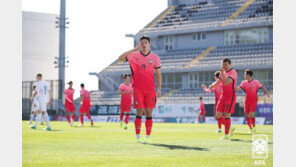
column 157, row 62
column 259, row 85
column 48, row 87
column 242, row 85
column 129, row 57
column 121, row 87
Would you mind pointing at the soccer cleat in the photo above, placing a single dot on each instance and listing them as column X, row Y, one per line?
column 125, row 126
column 139, row 140
column 148, row 141
column 121, row 123
column 225, row 137
column 71, row 122
column 219, row 131
column 232, row 129
column 29, row 122
column 91, row 122
column 33, row 127
column 254, row 130
column 81, row 125
column 251, row 131
column 41, row 123
column 47, row 128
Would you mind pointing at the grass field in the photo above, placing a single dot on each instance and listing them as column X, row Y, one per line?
column 106, row 144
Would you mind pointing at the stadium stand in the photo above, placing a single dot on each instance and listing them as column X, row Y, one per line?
column 191, row 40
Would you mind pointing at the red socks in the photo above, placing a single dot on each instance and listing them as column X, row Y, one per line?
column 148, row 124
column 126, row 118
column 81, row 119
column 204, row 118
column 222, row 120
column 249, row 121
column 73, row 116
column 121, row 117
column 219, row 124
column 227, row 125
column 198, row 118
column 68, row 118
column 88, row 116
column 138, row 124
column 253, row 121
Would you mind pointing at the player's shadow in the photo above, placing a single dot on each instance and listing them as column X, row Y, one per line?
column 250, row 134
column 173, row 147
column 86, row 126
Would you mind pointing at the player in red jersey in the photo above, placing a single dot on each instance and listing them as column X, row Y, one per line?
column 143, row 65
column 202, row 111
column 227, row 100
column 125, row 90
column 69, row 103
column 218, row 92
column 251, row 86
column 85, row 104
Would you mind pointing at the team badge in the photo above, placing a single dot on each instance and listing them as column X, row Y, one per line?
column 150, row 61
column 136, row 103
column 253, row 85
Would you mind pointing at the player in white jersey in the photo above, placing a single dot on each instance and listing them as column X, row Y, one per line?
column 43, row 91
column 35, row 106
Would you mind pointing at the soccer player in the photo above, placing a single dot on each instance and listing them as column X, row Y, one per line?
column 143, row 65
column 251, row 86
column 35, row 106
column 217, row 92
column 202, row 111
column 226, row 103
column 125, row 90
column 43, row 92
column 85, row 105
column 69, row 103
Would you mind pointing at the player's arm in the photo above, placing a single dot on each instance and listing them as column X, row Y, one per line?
column 120, row 92
column 125, row 54
column 67, row 98
column 226, row 80
column 159, row 81
column 49, row 96
column 204, row 87
column 214, row 85
column 31, row 99
column 197, row 108
column 238, row 88
column 265, row 91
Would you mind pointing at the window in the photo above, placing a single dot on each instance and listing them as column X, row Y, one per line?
column 168, row 42
column 193, row 80
column 246, row 36
column 171, row 81
column 198, row 36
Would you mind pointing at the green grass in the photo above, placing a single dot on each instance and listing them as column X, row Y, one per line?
column 106, row 144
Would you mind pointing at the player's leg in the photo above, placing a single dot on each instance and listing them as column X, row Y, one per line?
column 252, row 116
column 140, row 108
column 32, row 113
column 204, row 118
column 45, row 117
column 247, row 115
column 126, row 119
column 81, row 111
column 121, row 115
column 198, row 119
column 219, row 123
column 68, row 116
column 230, row 110
column 42, row 118
column 38, row 117
column 148, row 123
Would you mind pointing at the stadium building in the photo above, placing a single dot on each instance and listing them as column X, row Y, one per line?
column 191, row 38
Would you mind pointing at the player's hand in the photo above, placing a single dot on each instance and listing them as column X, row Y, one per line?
column 31, row 99
column 137, row 47
column 203, row 86
column 222, row 70
column 158, row 92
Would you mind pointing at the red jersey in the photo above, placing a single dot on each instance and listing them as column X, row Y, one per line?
column 251, row 89
column 85, row 94
column 142, row 69
column 126, row 99
column 229, row 90
column 202, row 107
column 69, row 93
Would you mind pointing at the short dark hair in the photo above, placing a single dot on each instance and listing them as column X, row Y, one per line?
column 125, row 75
column 249, row 72
column 34, row 86
column 39, row 75
column 226, row 60
column 145, row 37
column 82, row 85
column 217, row 74
column 200, row 97
column 70, row 82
